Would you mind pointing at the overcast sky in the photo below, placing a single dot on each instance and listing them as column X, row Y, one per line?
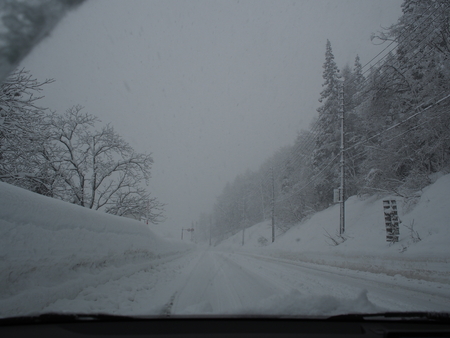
column 210, row 88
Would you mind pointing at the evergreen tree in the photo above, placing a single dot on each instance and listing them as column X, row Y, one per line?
column 331, row 77
column 327, row 139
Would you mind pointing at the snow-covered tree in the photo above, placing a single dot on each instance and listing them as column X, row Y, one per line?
column 98, row 169
column 23, row 131
column 328, row 131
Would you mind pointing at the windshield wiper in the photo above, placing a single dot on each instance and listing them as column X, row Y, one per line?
column 418, row 315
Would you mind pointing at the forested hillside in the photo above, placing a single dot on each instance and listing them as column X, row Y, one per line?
column 396, row 121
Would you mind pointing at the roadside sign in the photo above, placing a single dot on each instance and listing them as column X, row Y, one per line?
column 391, row 220
column 337, row 195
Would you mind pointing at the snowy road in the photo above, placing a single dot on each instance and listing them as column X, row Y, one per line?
column 219, row 282
column 223, row 282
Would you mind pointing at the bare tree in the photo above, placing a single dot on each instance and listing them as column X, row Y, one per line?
column 23, row 130
column 97, row 169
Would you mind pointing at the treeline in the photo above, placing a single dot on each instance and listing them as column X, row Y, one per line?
column 69, row 156
column 397, row 130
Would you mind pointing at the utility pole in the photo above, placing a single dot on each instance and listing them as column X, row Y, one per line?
column 243, row 220
column 210, row 229
column 273, row 204
column 342, row 162
column 262, row 200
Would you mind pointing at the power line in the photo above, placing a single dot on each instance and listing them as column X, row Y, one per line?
column 417, row 49
column 314, row 179
column 398, row 124
column 396, row 40
column 401, row 134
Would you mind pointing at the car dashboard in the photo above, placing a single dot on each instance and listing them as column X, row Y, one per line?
column 223, row 327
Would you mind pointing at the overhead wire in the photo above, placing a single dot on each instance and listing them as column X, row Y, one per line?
column 412, row 35
column 368, row 148
column 398, row 123
column 414, row 49
column 394, row 126
column 417, row 50
column 396, row 40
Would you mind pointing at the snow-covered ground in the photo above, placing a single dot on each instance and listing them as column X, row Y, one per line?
column 58, row 257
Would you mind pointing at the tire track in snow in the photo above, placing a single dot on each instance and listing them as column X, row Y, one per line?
column 217, row 285
column 392, row 292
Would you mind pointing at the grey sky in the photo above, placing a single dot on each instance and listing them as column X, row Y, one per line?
column 211, row 88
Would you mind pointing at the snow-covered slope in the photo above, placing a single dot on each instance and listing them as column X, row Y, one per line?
column 365, row 247
column 50, row 249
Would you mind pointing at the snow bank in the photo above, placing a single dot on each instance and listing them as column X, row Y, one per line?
column 294, row 303
column 51, row 249
column 364, row 246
